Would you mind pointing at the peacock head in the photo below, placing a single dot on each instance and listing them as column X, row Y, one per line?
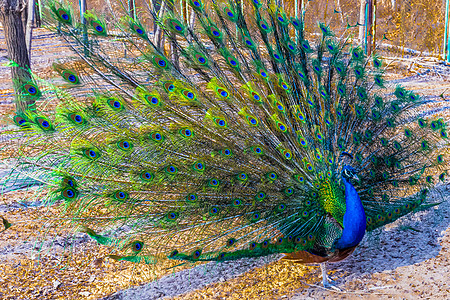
column 349, row 172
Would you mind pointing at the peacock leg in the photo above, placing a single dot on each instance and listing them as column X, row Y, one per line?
column 323, row 267
column 325, row 282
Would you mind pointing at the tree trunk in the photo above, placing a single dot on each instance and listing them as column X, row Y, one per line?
column 173, row 46
column 369, row 28
column 29, row 27
column 24, row 14
column 362, row 14
column 192, row 20
column 158, row 36
column 37, row 14
column 132, row 9
column 11, row 19
column 156, row 6
column 83, row 9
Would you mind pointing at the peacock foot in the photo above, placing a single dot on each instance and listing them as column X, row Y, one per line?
column 326, row 282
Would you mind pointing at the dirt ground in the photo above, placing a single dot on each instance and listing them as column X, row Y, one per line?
column 407, row 260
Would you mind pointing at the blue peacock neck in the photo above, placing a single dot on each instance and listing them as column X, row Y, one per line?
column 354, row 219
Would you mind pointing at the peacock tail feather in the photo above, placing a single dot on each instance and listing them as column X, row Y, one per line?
column 234, row 146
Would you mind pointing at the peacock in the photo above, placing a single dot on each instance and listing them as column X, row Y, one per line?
column 244, row 139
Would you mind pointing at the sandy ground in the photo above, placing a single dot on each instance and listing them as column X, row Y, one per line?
column 407, row 260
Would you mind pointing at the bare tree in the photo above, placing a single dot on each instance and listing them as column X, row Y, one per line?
column 29, row 27
column 11, row 19
column 362, row 18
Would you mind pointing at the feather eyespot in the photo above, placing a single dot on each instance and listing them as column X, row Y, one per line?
column 272, row 176
column 188, row 95
column 186, row 133
column 289, row 191
column 147, row 176
column 31, row 89
column 175, row 26
column 231, row 242
column 263, row 26
column 153, row 100
column 20, row 121
column 287, row 154
column 199, row 166
column 257, row 150
column 213, row 182
column 201, row 59
column 115, row 104
column 173, row 254
column 281, row 127
column 214, row 211
column 252, row 121
column 255, row 217
column 226, row 152
column 125, row 145
column 242, row 176
column 256, row 96
column 137, row 246
column 281, row 207
column 140, row 31
column 157, row 137
column 215, row 32
column 191, row 198
column 70, row 77
column 77, row 118
column 260, row 196
column 196, row 254
column 91, row 154
column 99, row 28
column 265, row 244
column 424, row 145
column 171, row 170
column 237, row 202
column 169, row 87
column 120, row 195
column 68, row 182
column 299, row 178
column 43, row 123
column 172, row 216
column 69, row 193
column 64, row 16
